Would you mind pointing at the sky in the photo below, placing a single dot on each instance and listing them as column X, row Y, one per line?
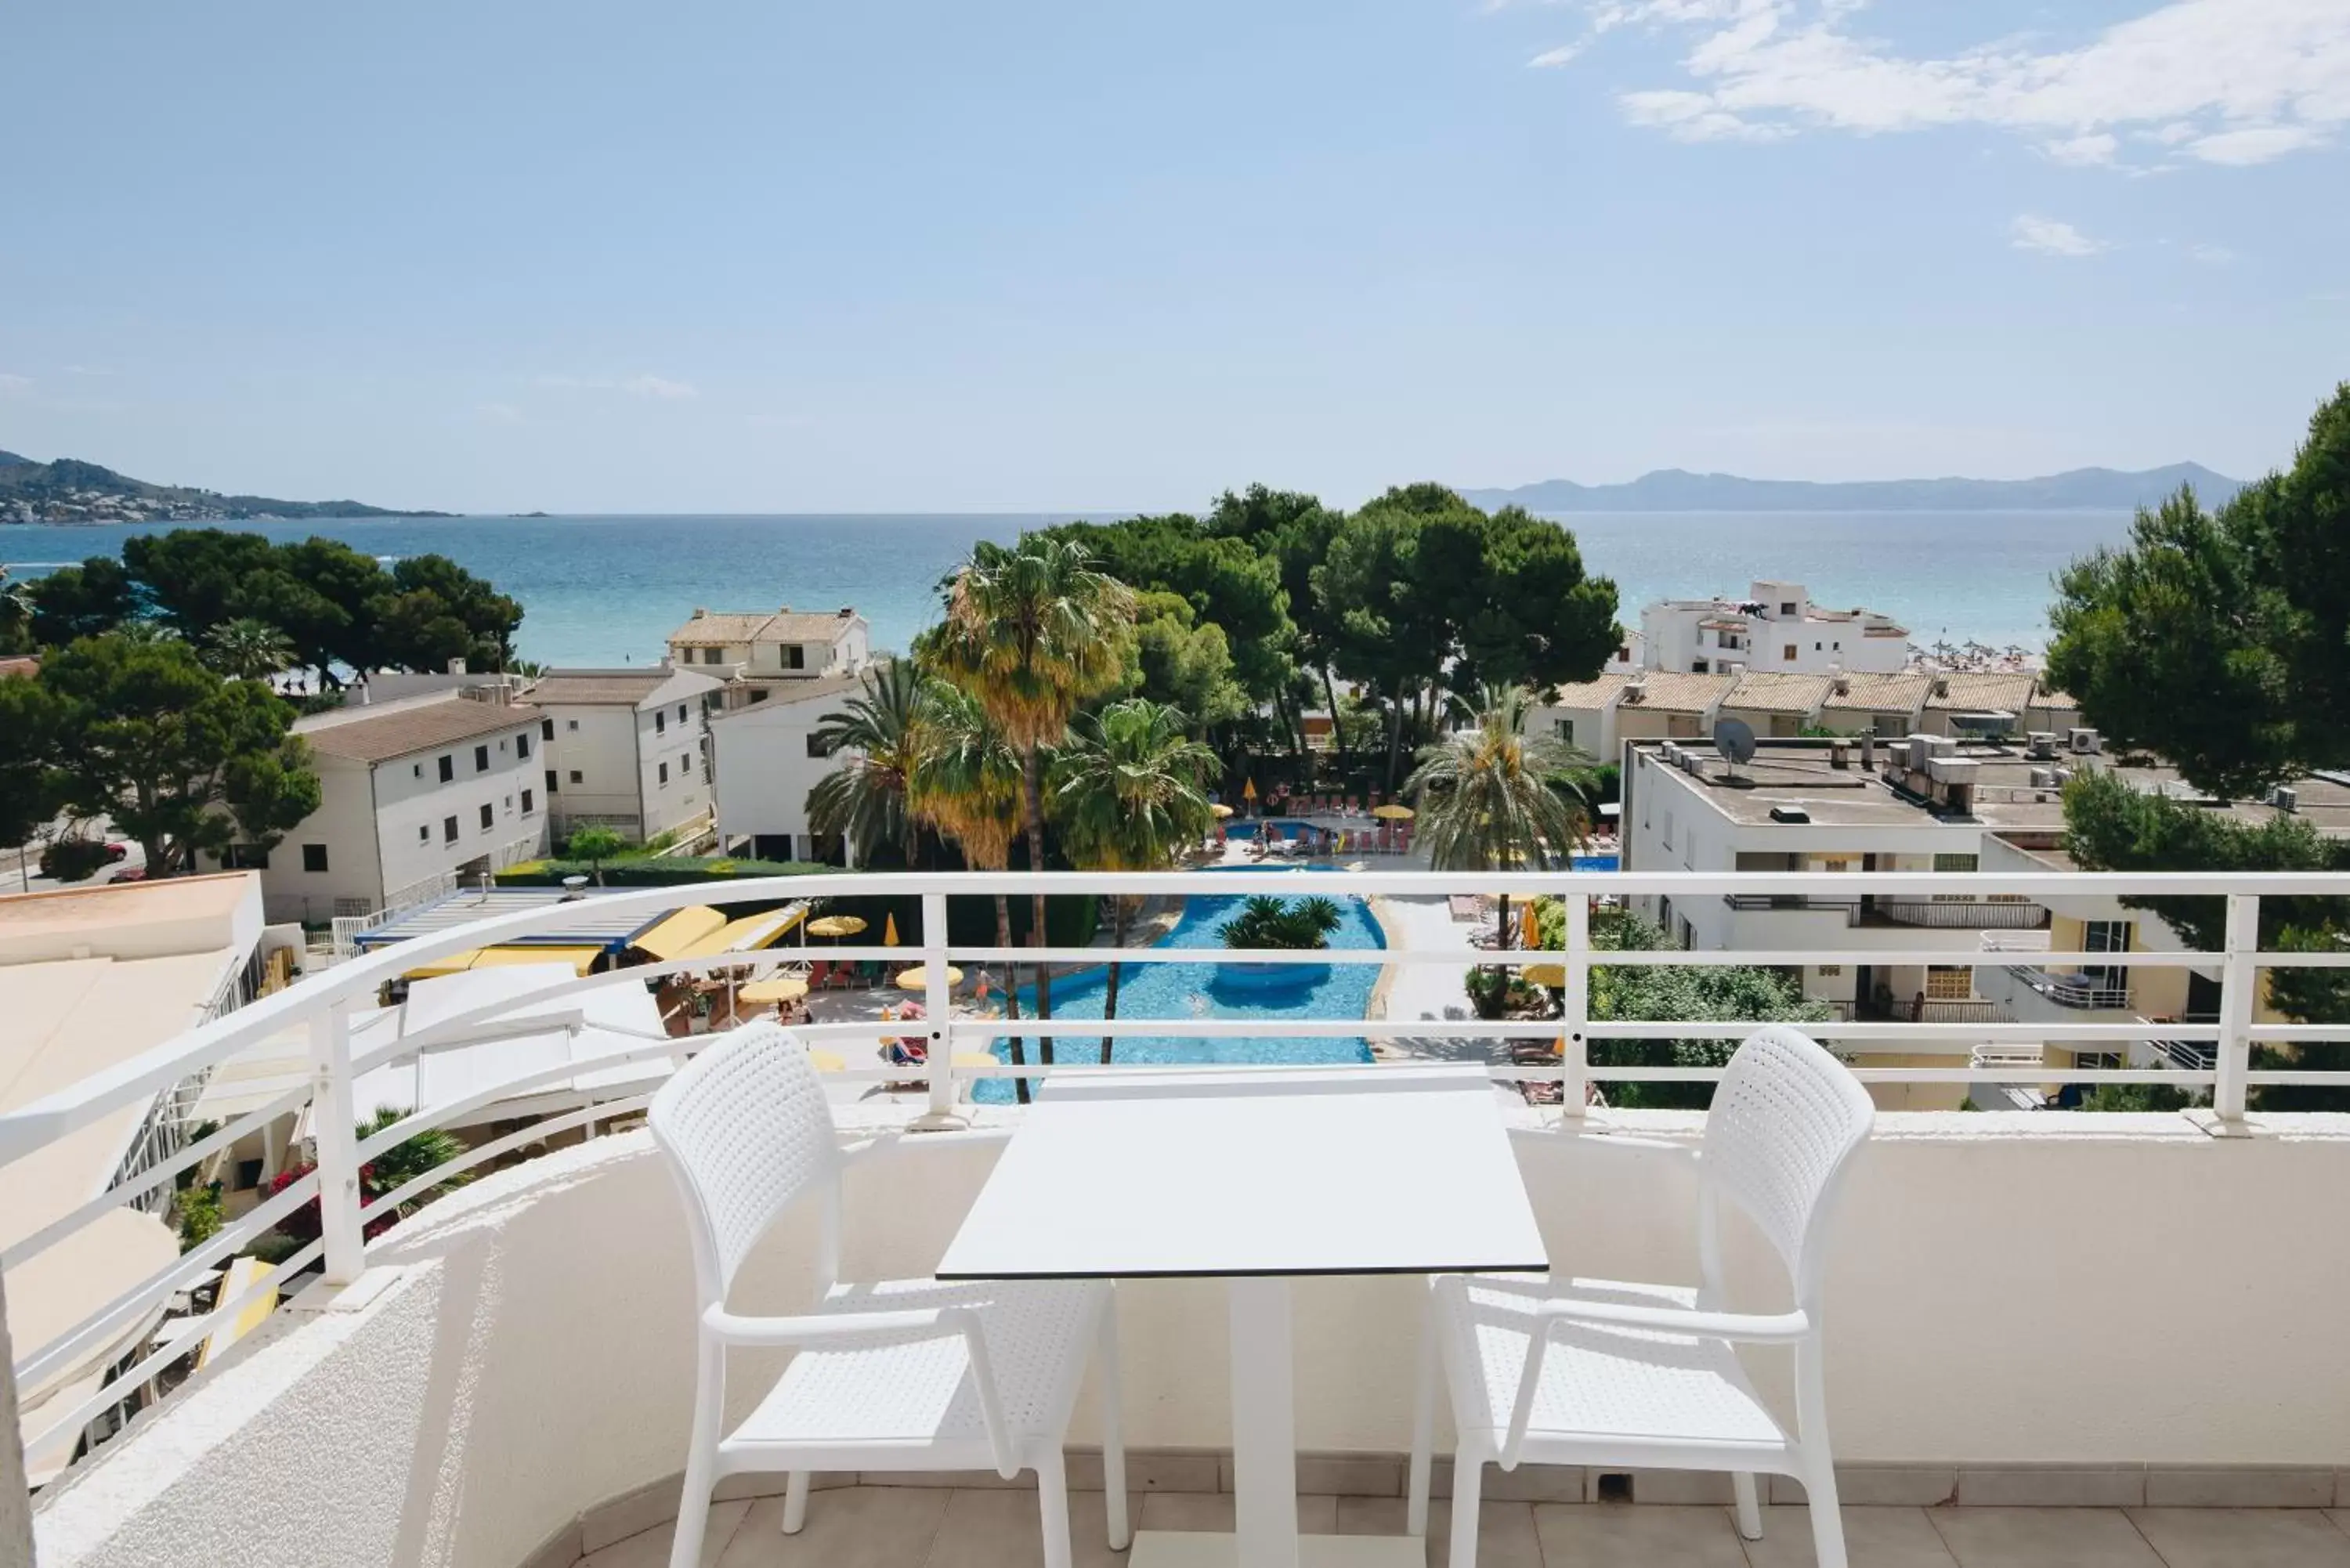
column 757, row 256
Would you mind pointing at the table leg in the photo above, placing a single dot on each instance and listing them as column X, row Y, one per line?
column 1264, row 1424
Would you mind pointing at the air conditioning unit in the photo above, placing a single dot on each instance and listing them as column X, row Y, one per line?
column 2082, row 743
column 2285, row 798
column 1671, row 753
column 2043, row 778
column 2040, row 746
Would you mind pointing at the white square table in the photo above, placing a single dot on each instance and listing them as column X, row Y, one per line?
column 1255, row 1175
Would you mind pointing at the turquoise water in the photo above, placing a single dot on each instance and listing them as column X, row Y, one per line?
column 1189, row 991
column 605, row 590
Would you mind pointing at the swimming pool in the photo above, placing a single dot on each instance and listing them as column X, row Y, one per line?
column 1189, row 991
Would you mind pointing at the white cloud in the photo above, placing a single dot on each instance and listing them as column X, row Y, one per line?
column 646, row 386
column 2232, row 81
column 499, row 413
column 12, row 386
column 2085, row 151
column 2213, row 256
column 1557, row 56
column 2050, row 237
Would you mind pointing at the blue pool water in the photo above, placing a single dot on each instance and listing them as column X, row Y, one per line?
column 1189, row 991
column 1278, row 829
column 1598, row 862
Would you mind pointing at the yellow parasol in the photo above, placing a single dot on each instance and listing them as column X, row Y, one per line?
column 782, row 987
column 889, row 932
column 918, row 978
column 1392, row 812
column 1220, row 810
column 837, row 926
column 1529, row 926
column 1248, row 790
column 826, row 1062
column 1553, row 975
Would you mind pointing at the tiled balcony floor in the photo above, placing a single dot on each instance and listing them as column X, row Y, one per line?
column 917, row 1527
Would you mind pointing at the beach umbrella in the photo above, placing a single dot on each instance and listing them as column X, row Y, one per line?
column 1392, row 812
column 825, row 1061
column 918, row 978
column 890, row 931
column 1248, row 790
column 1551, row 975
column 1529, row 926
column 1220, row 810
column 837, row 925
column 782, row 987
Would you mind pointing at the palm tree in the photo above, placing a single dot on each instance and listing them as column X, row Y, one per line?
column 864, row 799
column 1130, row 792
column 964, row 782
column 15, row 614
column 1485, row 796
column 1266, row 921
column 1031, row 632
column 247, row 648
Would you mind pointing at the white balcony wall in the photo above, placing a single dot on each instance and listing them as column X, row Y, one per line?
column 532, row 1356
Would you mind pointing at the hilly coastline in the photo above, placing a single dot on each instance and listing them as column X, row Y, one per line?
column 1677, row 490
column 72, row 491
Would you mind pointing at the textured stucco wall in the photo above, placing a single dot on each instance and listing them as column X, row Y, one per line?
column 2027, row 1288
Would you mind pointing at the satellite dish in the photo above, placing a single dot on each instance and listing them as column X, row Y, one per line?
column 1734, row 739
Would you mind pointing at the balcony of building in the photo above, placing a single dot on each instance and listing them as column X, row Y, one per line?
column 505, row 1376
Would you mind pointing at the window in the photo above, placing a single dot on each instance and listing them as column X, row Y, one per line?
column 664, row 772
column 245, row 857
column 489, row 817
column 2097, row 1061
column 681, row 712
column 1624, row 652
column 570, row 726
column 416, row 768
column 661, row 721
column 1949, row 983
column 550, row 781
column 795, row 657
column 1815, row 648
column 448, row 830
column 758, row 694
column 480, row 759
column 314, row 857
column 248, row 1175
column 1697, row 667
column 1790, row 653
column 448, row 768
column 1957, row 862
column 818, row 746
column 522, row 746
column 577, row 777
column 1830, row 971
column 423, row 834
column 1565, row 728
column 546, row 728
column 1786, row 608
column 528, row 805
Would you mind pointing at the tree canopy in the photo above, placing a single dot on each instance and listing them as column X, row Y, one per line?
column 2221, row 640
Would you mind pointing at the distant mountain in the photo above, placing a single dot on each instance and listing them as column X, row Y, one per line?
column 72, row 491
column 1677, row 490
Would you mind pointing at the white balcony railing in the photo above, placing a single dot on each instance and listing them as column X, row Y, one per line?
column 322, row 1005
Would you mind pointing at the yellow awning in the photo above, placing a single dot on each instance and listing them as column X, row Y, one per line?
column 454, row 963
column 580, row 959
column 243, row 1275
column 747, row 934
column 678, row 931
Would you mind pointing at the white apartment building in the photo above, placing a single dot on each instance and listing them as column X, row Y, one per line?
column 418, row 796
column 758, row 655
column 1776, row 627
column 1842, row 805
column 1600, row 714
column 765, row 757
column 625, row 749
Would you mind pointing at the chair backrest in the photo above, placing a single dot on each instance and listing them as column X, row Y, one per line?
column 747, row 1131
column 1786, row 1119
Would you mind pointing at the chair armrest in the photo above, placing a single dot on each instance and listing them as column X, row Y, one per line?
column 1754, row 1328
column 822, row 1330
column 866, row 1148
column 1776, row 1328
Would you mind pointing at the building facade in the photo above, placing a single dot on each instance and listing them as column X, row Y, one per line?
column 765, row 758
column 759, row 656
column 1775, row 628
column 417, row 795
column 627, row 749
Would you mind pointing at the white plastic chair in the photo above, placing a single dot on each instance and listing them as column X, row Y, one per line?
column 1602, row 1372
column 906, row 1374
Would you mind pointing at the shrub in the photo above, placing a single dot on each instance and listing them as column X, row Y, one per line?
column 199, row 1210
column 73, row 859
column 1266, row 921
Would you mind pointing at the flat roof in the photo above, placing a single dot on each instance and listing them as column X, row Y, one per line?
column 586, row 926
column 131, row 919
column 617, row 688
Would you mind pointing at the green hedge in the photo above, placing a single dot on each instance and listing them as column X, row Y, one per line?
column 663, row 872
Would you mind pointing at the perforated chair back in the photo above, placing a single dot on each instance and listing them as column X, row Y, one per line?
column 747, row 1131
column 1786, row 1119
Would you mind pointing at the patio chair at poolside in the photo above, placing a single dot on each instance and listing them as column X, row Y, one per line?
column 1614, row 1374
column 910, row 1375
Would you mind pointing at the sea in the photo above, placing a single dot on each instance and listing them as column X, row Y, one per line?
column 607, row 590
